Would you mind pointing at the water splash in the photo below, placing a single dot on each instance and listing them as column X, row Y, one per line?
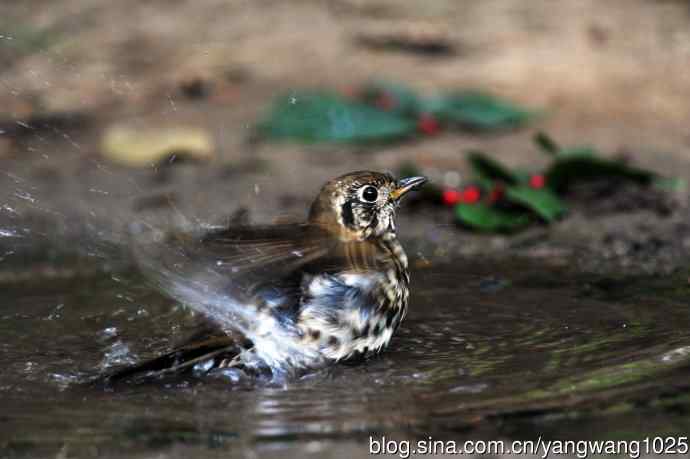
column 198, row 285
column 25, row 196
column 9, row 233
column 117, row 354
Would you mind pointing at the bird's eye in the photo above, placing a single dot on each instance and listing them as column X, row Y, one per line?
column 369, row 194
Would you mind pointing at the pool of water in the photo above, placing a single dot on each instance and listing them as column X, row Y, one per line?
column 490, row 350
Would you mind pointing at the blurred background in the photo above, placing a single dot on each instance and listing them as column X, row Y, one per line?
column 608, row 74
column 119, row 112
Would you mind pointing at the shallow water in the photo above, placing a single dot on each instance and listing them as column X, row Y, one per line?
column 490, row 350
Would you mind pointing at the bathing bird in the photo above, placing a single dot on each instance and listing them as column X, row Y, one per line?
column 289, row 297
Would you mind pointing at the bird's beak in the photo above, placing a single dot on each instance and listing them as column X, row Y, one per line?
column 407, row 184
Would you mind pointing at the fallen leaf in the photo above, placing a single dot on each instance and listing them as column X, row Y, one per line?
column 488, row 169
column 145, row 147
column 325, row 116
column 542, row 201
column 490, row 219
column 478, row 111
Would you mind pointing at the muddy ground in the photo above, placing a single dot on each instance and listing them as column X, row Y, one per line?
column 610, row 74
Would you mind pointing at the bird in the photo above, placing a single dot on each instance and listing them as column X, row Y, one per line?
column 292, row 297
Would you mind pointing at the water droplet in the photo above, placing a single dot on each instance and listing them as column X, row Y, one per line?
column 203, row 367
column 122, row 296
column 8, row 209
column 233, row 374
column 109, row 332
column 56, row 313
column 63, row 381
column 469, row 388
column 679, row 354
column 9, row 233
column 117, row 354
column 25, row 196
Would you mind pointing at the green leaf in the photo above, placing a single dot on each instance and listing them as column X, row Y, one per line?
column 583, row 163
column 490, row 219
column 325, row 116
column 480, row 111
column 487, row 168
column 522, row 175
column 546, row 143
column 670, row 184
column 566, row 171
column 541, row 201
column 578, row 151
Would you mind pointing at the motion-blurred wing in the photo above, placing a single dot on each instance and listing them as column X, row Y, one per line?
column 250, row 279
column 254, row 256
column 272, row 261
column 254, row 266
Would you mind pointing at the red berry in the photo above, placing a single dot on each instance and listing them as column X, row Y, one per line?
column 385, row 102
column 349, row 92
column 471, row 195
column 451, row 196
column 537, row 181
column 428, row 125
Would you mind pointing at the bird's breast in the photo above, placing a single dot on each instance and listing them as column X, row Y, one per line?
column 355, row 313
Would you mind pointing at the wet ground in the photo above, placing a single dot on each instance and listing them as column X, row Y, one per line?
column 491, row 349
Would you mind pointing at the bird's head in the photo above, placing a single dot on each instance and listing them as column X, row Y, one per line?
column 361, row 205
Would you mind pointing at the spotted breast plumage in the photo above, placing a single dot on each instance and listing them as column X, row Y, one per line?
column 291, row 297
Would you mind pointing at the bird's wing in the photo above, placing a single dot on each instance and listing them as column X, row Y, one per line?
column 251, row 256
column 255, row 266
column 249, row 279
column 274, row 264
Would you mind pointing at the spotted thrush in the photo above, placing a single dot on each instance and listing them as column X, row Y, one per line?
column 292, row 297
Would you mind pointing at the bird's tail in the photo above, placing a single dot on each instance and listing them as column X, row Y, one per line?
column 201, row 355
